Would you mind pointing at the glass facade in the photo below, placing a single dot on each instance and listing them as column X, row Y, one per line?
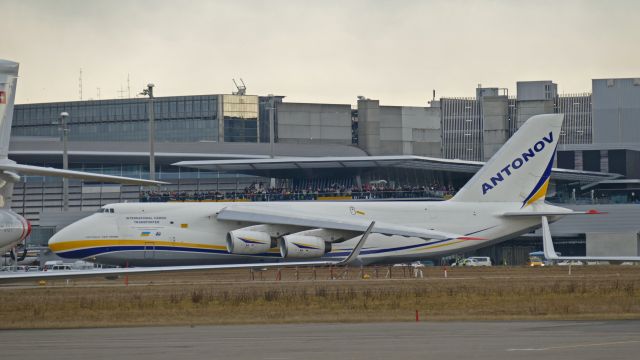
column 264, row 110
column 178, row 119
column 240, row 113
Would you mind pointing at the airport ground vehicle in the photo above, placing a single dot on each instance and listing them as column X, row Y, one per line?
column 462, row 262
column 61, row 265
column 479, row 261
column 535, row 261
column 473, row 261
column 570, row 262
column 58, row 267
column 19, row 268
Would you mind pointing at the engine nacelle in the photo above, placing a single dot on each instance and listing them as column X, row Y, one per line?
column 247, row 242
column 14, row 229
column 303, row 246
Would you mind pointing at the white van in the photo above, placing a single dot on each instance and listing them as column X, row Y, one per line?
column 56, row 266
column 477, row 261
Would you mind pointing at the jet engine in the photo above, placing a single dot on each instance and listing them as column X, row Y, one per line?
column 13, row 229
column 303, row 246
column 248, row 242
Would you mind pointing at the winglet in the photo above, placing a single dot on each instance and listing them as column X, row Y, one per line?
column 356, row 250
column 547, row 241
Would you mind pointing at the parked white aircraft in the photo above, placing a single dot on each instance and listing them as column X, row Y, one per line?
column 13, row 227
column 503, row 200
column 550, row 252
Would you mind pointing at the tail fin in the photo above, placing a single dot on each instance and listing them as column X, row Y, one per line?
column 520, row 170
column 8, row 81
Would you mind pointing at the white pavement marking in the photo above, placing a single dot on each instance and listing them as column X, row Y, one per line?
column 577, row 346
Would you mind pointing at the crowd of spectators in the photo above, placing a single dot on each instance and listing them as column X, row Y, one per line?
column 259, row 192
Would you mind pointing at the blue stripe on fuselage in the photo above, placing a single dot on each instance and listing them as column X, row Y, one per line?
column 94, row 251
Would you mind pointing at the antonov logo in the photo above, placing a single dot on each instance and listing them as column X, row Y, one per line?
column 517, row 163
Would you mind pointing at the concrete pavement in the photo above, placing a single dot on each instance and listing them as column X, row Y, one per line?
column 425, row 340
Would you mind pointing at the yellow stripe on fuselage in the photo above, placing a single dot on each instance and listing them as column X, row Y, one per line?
column 437, row 246
column 83, row 244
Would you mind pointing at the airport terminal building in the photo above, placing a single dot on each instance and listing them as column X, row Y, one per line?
column 325, row 147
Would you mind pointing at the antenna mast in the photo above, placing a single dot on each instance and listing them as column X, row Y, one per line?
column 80, row 84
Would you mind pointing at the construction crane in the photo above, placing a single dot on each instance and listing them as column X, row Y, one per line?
column 242, row 89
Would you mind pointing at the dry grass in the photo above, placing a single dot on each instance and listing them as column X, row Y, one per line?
column 602, row 292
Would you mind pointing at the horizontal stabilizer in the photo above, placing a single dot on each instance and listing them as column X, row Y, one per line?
column 551, row 213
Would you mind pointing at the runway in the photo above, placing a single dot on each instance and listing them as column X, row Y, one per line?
column 425, row 340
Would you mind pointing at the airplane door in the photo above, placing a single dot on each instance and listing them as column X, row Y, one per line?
column 149, row 250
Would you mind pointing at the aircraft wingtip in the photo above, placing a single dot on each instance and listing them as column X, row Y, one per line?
column 470, row 238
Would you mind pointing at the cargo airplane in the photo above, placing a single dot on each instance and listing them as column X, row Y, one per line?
column 504, row 199
column 13, row 227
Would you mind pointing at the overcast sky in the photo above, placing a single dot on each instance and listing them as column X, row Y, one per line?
column 316, row 51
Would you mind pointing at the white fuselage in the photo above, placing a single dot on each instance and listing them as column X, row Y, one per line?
column 155, row 234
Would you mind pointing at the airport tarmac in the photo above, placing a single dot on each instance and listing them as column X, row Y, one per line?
column 432, row 340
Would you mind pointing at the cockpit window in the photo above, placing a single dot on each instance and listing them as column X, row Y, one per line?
column 106, row 210
column 111, row 210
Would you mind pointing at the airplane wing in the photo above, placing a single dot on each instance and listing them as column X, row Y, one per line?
column 48, row 171
column 550, row 252
column 38, row 275
column 267, row 215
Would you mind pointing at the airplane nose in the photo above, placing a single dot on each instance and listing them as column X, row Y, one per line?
column 57, row 241
column 54, row 241
column 70, row 241
column 62, row 243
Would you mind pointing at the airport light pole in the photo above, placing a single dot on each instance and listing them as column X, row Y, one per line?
column 152, row 131
column 62, row 125
column 272, row 109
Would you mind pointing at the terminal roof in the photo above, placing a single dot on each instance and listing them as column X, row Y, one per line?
column 297, row 166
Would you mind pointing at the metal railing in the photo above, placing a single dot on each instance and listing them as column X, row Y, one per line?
column 296, row 195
